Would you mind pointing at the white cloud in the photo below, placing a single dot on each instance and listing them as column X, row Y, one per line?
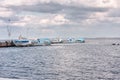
column 107, row 3
column 21, row 24
column 95, row 18
column 4, row 12
column 75, row 14
column 59, row 19
column 18, row 2
column 56, row 20
column 35, row 20
column 2, row 23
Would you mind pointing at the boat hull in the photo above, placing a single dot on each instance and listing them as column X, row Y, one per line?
column 41, row 42
column 22, row 43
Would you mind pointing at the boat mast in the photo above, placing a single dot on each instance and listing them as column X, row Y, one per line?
column 8, row 29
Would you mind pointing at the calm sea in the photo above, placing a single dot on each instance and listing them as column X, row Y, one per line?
column 61, row 62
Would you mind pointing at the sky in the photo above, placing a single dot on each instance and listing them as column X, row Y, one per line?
column 59, row 18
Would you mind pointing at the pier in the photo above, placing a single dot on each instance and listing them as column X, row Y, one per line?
column 37, row 42
column 6, row 43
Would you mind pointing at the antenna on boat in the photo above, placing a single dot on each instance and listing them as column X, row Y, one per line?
column 8, row 29
column 27, row 32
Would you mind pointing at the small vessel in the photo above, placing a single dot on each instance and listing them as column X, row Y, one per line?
column 80, row 40
column 41, row 42
column 22, row 42
column 71, row 40
column 56, row 41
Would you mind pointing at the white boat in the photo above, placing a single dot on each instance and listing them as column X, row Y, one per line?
column 41, row 42
column 56, row 41
column 22, row 42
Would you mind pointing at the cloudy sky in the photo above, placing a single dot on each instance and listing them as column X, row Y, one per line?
column 59, row 18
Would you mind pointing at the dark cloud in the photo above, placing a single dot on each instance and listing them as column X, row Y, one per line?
column 80, row 13
column 40, row 7
column 10, row 19
column 115, row 12
column 72, row 12
column 52, row 7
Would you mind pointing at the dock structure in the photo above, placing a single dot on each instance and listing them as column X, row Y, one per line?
column 38, row 42
column 6, row 43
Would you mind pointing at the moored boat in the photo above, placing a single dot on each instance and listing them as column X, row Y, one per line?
column 56, row 41
column 41, row 42
column 80, row 40
column 22, row 42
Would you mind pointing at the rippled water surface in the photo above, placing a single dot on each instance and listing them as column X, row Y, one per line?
column 61, row 62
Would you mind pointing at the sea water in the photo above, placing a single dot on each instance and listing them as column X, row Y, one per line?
column 61, row 62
